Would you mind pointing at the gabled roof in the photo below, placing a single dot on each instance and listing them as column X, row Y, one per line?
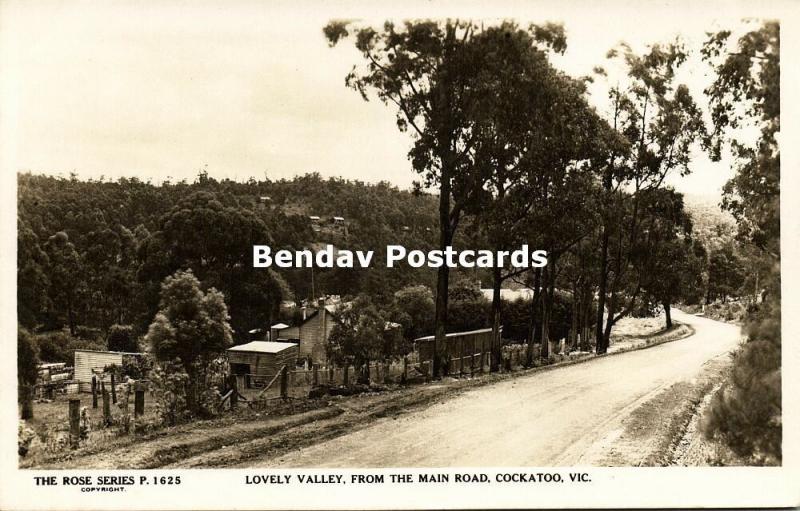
column 330, row 309
column 279, row 326
column 263, row 347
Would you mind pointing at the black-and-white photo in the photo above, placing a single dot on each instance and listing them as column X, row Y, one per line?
column 247, row 239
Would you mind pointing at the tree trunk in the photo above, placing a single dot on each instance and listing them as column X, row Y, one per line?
column 608, row 325
column 365, row 376
column 573, row 333
column 26, row 400
column 496, row 309
column 70, row 315
column 668, row 314
column 545, row 349
column 587, row 319
column 532, row 323
column 443, row 273
column 601, row 346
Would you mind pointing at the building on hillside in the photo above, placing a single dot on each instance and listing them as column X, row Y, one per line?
column 257, row 362
column 90, row 363
column 509, row 295
column 339, row 225
column 312, row 333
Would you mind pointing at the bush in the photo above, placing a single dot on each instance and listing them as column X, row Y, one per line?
column 469, row 313
column 169, row 386
column 25, row 436
column 88, row 333
column 746, row 414
column 27, row 358
column 136, row 367
column 516, row 318
column 60, row 346
column 414, row 308
column 172, row 386
column 121, row 338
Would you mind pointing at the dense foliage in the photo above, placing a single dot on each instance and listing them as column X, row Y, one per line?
column 94, row 253
column 189, row 333
column 746, row 94
column 27, row 358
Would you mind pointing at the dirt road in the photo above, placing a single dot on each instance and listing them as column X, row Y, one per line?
column 559, row 417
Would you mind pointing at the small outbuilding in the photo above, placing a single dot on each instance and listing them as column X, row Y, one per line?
column 90, row 363
column 257, row 362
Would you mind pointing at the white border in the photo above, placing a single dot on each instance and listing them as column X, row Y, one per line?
column 617, row 487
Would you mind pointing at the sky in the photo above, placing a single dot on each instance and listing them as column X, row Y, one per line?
column 161, row 90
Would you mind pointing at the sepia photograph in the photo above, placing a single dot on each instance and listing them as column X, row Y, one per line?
column 360, row 237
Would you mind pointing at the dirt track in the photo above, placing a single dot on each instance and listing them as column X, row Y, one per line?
column 561, row 417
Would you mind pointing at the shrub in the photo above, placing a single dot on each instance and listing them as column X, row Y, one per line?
column 746, row 414
column 88, row 333
column 414, row 308
column 136, row 367
column 27, row 358
column 516, row 318
column 121, row 338
column 169, row 381
column 60, row 346
column 24, row 438
column 192, row 328
column 467, row 308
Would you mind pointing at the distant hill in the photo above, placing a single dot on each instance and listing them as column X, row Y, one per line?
column 711, row 224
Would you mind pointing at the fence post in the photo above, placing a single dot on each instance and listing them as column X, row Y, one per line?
column 483, row 353
column 113, row 389
column 126, row 418
column 106, row 404
column 233, row 384
column 138, row 402
column 315, row 368
column 74, row 422
column 463, row 352
column 404, row 377
column 284, row 383
column 94, row 391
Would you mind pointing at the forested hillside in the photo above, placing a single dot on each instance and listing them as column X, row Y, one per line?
column 93, row 253
column 712, row 225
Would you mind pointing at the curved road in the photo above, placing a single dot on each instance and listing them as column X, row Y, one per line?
column 549, row 418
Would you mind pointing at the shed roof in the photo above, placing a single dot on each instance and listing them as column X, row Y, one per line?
column 111, row 352
column 263, row 347
column 279, row 326
column 455, row 334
